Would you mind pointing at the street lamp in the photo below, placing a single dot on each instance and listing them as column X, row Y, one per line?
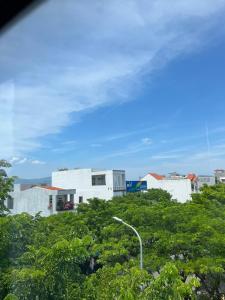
column 139, row 238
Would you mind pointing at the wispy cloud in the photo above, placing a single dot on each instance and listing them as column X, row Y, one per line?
column 126, row 151
column 95, row 145
column 37, row 162
column 71, row 142
column 65, row 146
column 165, row 156
column 130, row 133
column 15, row 160
column 92, row 55
column 146, row 141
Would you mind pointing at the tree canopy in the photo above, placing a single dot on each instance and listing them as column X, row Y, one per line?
column 88, row 255
column 6, row 184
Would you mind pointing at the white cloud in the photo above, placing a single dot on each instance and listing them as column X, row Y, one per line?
column 84, row 54
column 129, row 150
column 165, row 156
column 16, row 160
column 146, row 141
column 37, row 162
column 21, row 161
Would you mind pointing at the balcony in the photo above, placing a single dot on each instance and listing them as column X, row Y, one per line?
column 62, row 203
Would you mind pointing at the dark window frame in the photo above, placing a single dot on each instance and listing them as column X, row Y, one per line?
column 10, row 203
column 95, row 180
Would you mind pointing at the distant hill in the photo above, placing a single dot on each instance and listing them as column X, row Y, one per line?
column 46, row 180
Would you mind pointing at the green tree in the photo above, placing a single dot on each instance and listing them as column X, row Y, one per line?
column 120, row 282
column 6, row 184
column 170, row 285
column 50, row 273
column 87, row 255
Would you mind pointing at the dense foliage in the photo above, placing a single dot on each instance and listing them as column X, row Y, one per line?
column 88, row 255
column 5, row 185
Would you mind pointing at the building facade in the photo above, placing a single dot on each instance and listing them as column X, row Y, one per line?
column 90, row 183
column 45, row 199
column 220, row 175
column 206, row 180
column 179, row 188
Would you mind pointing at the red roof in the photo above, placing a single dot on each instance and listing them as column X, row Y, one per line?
column 52, row 188
column 192, row 177
column 157, row 176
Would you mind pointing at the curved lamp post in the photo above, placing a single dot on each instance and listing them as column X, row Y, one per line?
column 139, row 238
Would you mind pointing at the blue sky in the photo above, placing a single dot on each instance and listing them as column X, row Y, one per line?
column 135, row 85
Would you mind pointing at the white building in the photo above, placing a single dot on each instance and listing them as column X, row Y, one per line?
column 206, row 180
column 90, row 183
column 220, row 175
column 45, row 199
column 179, row 188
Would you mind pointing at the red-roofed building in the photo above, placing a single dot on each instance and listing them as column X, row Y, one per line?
column 157, row 176
column 194, row 182
column 45, row 199
column 180, row 187
column 153, row 180
column 192, row 177
column 51, row 188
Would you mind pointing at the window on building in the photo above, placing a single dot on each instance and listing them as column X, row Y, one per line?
column 119, row 182
column 98, row 180
column 10, row 203
column 71, row 197
column 50, row 202
column 80, row 199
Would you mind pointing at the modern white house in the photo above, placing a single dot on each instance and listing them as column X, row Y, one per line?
column 180, row 188
column 45, row 199
column 91, row 183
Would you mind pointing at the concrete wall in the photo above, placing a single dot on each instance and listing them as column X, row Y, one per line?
column 180, row 189
column 81, row 180
column 34, row 200
column 205, row 179
column 152, row 182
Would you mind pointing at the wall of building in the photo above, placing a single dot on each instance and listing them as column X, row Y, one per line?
column 32, row 201
column 220, row 175
column 35, row 199
column 152, row 183
column 81, row 180
column 180, row 189
column 205, row 179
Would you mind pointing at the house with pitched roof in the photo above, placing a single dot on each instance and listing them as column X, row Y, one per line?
column 180, row 187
